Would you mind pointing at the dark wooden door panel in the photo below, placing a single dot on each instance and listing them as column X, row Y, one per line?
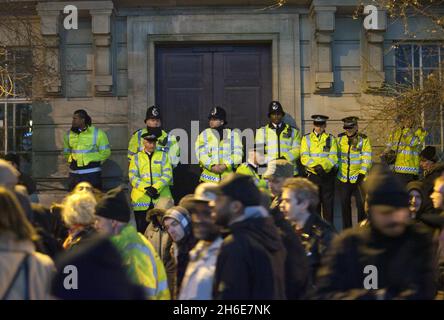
column 191, row 79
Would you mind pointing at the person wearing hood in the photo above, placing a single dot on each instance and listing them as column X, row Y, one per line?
column 432, row 169
column 299, row 201
column 251, row 262
column 218, row 148
column 140, row 259
column 416, row 198
column 198, row 281
column 161, row 241
column 177, row 222
column 390, row 258
column 166, row 141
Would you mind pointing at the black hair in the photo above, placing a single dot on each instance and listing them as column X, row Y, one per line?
column 84, row 115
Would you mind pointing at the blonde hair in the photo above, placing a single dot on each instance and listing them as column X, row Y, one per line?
column 13, row 217
column 79, row 208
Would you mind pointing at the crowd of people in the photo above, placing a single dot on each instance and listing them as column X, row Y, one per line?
column 226, row 241
column 259, row 229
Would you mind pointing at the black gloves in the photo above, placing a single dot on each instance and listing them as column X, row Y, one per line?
column 152, row 192
column 319, row 170
column 361, row 178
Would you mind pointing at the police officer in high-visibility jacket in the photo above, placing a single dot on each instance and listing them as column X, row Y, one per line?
column 218, row 148
column 280, row 140
column 252, row 167
column 85, row 148
column 319, row 156
column 407, row 142
column 166, row 142
column 150, row 173
column 355, row 159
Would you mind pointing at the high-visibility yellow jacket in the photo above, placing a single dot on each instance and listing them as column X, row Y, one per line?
column 166, row 143
column 248, row 170
column 286, row 145
column 410, row 145
column 146, row 171
column 210, row 150
column 87, row 146
column 319, row 151
column 355, row 156
column 143, row 264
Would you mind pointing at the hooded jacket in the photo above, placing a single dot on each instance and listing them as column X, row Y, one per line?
column 251, row 260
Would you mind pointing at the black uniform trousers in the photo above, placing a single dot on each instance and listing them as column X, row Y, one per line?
column 346, row 191
column 94, row 178
column 141, row 223
column 326, row 185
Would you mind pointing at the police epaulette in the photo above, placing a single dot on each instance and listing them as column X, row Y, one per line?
column 307, row 134
column 341, row 134
column 362, row 135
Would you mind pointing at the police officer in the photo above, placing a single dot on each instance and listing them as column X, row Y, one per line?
column 406, row 142
column 280, row 140
column 252, row 166
column 85, row 147
column 355, row 158
column 150, row 174
column 218, row 148
column 320, row 159
column 166, row 142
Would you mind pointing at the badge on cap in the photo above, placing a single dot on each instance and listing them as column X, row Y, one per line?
column 214, row 112
column 274, row 106
column 155, row 112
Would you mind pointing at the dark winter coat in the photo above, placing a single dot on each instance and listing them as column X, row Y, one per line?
column 297, row 275
column 251, row 263
column 405, row 265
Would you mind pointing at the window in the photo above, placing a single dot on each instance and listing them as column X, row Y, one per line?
column 16, row 130
column 15, row 72
column 414, row 63
column 15, row 108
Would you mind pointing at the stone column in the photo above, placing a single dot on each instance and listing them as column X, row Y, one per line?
column 49, row 21
column 101, row 29
column 322, row 58
column 372, row 54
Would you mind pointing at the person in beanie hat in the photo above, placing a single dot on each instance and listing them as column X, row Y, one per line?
column 253, row 235
column 401, row 254
column 139, row 256
column 431, row 170
column 177, row 222
column 218, row 148
column 166, row 142
column 102, row 275
column 279, row 139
